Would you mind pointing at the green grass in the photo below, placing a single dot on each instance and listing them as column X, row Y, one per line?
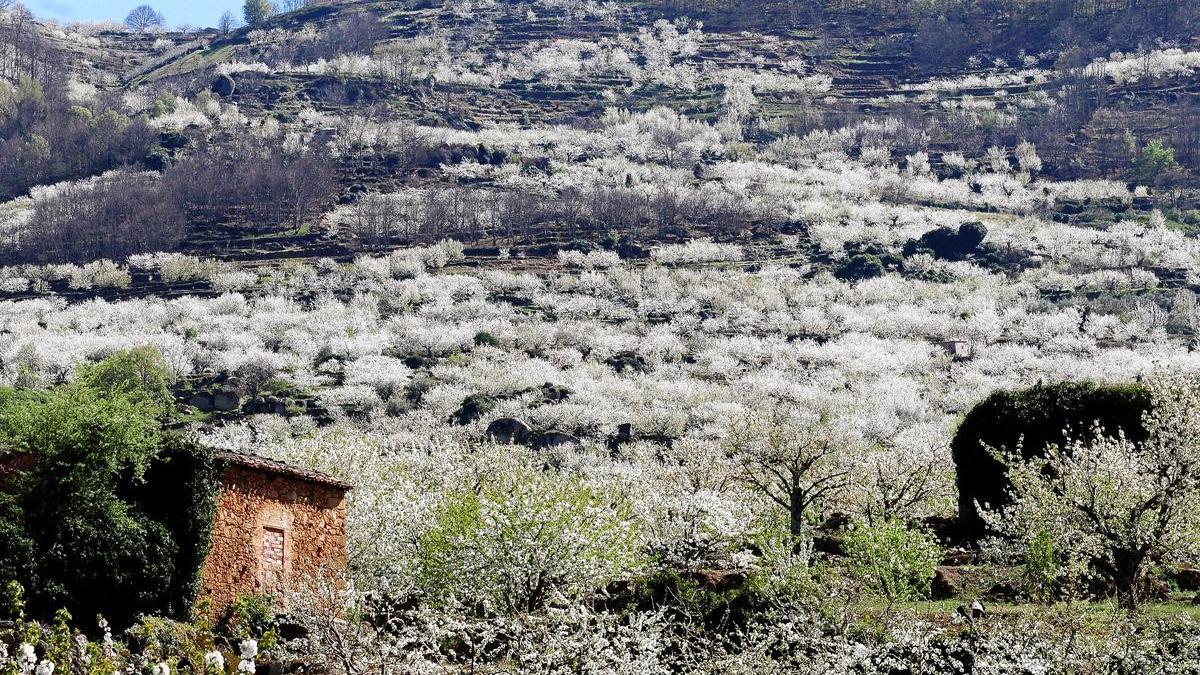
column 1180, row 606
column 189, row 62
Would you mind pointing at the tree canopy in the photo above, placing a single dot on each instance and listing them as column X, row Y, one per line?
column 143, row 18
column 257, row 11
column 1028, row 421
column 112, row 517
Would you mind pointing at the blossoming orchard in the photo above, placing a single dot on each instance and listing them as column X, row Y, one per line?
column 565, row 336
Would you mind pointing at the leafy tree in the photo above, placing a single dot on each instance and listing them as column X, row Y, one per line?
column 514, row 544
column 112, row 517
column 1152, row 161
column 257, row 11
column 144, row 17
column 1114, row 503
column 894, row 561
column 1028, row 421
column 139, row 374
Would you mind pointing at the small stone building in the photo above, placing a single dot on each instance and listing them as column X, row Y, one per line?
column 275, row 525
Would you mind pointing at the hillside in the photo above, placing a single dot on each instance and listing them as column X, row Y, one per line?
column 653, row 335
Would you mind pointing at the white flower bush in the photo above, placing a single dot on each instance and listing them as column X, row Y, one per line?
column 697, row 251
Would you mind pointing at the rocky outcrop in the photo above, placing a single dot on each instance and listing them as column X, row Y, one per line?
column 223, row 86
column 947, row 583
column 1186, row 578
column 509, row 431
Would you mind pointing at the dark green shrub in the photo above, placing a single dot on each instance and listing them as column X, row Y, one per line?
column 484, row 338
column 112, row 515
column 474, row 407
column 860, row 267
column 252, row 617
column 948, row 244
column 1032, row 419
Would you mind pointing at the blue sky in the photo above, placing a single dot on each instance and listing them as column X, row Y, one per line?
column 199, row 13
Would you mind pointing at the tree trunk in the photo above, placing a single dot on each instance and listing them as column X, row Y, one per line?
column 796, row 511
column 1127, row 572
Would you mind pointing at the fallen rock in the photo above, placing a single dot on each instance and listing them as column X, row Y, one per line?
column 1003, row 592
column 227, row 401
column 555, row 393
column 829, row 543
column 947, row 583
column 1186, row 578
column 624, row 435
column 627, row 361
column 202, row 401
column 509, row 431
column 557, row 439
column 719, row 581
column 837, row 522
column 223, row 86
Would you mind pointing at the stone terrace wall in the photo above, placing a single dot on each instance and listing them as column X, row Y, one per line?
column 253, row 506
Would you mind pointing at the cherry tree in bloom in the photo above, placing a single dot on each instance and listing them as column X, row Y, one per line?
column 1114, row 504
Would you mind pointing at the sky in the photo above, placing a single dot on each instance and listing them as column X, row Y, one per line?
column 198, row 13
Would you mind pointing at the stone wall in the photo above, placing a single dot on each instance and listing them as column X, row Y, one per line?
column 254, row 506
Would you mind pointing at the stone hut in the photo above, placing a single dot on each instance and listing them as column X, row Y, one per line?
column 275, row 526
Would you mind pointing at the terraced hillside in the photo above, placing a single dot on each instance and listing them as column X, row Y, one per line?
column 679, row 336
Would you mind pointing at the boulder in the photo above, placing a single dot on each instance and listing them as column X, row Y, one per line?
column 1003, row 591
column 837, row 521
column 1186, row 578
column 624, row 435
column 223, row 86
column 627, row 361
column 555, row 393
column 829, row 543
column 719, row 581
column 227, row 401
column 202, row 401
column 557, row 439
column 509, row 431
column 947, row 583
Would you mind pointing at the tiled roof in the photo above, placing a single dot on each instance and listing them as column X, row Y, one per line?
column 261, row 463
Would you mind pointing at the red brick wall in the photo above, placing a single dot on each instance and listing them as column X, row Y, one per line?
column 262, row 517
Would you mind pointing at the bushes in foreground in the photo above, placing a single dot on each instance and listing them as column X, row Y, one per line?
column 152, row 645
column 1113, row 505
